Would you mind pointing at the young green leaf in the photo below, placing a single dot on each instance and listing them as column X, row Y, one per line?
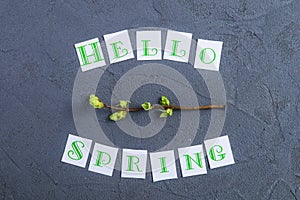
column 166, row 113
column 163, row 115
column 95, row 102
column 164, row 101
column 124, row 104
column 118, row 115
column 147, row 106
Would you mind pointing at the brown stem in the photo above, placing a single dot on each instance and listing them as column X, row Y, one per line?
column 170, row 106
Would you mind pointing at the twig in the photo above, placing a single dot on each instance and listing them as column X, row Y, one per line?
column 206, row 107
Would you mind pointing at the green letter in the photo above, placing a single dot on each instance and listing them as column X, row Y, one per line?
column 202, row 55
column 76, row 151
column 163, row 165
column 116, row 50
column 130, row 163
column 219, row 151
column 100, row 162
column 189, row 160
column 146, row 48
column 175, row 47
column 96, row 54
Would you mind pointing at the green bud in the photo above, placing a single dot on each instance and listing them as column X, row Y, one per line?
column 170, row 111
column 164, row 101
column 118, row 115
column 147, row 106
column 95, row 102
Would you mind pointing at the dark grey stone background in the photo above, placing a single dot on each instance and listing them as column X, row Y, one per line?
column 259, row 66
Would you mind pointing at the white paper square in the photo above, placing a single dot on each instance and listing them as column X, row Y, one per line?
column 211, row 51
column 218, row 148
column 182, row 50
column 90, row 53
column 77, row 157
column 195, row 152
column 139, row 163
column 123, row 44
column 154, row 45
column 103, row 159
column 169, row 163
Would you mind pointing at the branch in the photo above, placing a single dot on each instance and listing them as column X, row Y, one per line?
column 165, row 107
column 206, row 107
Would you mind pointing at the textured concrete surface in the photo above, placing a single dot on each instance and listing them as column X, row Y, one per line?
column 259, row 65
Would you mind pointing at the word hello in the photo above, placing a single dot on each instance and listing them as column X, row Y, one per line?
column 149, row 47
column 134, row 162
